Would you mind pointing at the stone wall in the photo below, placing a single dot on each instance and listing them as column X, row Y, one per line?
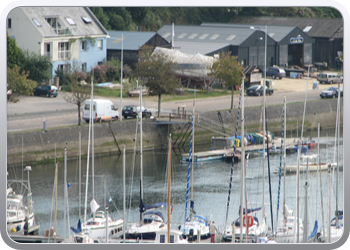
column 40, row 146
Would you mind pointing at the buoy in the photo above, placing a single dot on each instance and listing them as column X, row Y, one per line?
column 250, row 221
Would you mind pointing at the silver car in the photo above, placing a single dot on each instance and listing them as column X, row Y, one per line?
column 330, row 92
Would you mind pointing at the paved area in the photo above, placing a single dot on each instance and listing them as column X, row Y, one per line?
column 289, row 84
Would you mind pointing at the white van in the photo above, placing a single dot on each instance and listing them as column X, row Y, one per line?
column 103, row 110
column 328, row 77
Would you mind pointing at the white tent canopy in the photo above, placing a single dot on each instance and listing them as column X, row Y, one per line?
column 189, row 65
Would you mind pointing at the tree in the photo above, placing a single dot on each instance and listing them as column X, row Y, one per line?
column 38, row 66
column 78, row 92
column 228, row 70
column 14, row 53
column 18, row 83
column 157, row 71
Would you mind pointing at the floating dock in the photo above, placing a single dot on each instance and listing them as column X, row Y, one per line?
column 219, row 154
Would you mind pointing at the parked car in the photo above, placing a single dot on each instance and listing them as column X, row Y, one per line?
column 46, row 90
column 257, row 90
column 341, row 91
column 133, row 111
column 275, row 72
column 329, row 77
column 330, row 92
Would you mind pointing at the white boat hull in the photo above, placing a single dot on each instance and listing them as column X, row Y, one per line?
column 312, row 167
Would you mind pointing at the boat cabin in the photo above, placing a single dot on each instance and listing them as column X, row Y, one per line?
column 175, row 237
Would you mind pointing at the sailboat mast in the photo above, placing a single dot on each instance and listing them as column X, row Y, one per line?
column 233, row 161
column 242, row 166
column 141, row 160
column 65, row 191
column 88, row 154
column 280, row 171
column 284, row 160
column 124, row 195
column 169, row 188
column 92, row 145
column 337, row 180
column 192, row 168
column 56, row 179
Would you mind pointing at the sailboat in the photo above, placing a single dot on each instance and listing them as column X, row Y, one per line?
column 194, row 223
column 336, row 225
column 151, row 221
column 96, row 225
column 169, row 235
column 285, row 229
column 246, row 226
column 19, row 206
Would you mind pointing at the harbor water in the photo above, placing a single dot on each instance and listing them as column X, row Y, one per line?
column 211, row 184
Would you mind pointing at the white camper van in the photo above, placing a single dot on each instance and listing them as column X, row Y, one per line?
column 103, row 110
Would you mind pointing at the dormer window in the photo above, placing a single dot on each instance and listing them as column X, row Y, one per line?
column 53, row 21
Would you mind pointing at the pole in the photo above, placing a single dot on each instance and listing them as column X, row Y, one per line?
column 141, row 160
column 192, row 168
column 242, row 165
column 79, row 175
column 169, row 188
column 337, row 180
column 65, row 190
column 284, row 162
column 56, row 179
column 124, row 194
column 264, row 118
column 121, row 83
column 107, row 223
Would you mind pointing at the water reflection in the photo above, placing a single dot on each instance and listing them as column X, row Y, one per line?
column 211, row 183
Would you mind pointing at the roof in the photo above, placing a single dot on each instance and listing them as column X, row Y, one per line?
column 314, row 27
column 200, row 39
column 133, row 40
column 276, row 32
column 76, row 21
column 191, row 65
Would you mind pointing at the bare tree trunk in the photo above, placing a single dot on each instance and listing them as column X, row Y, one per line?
column 79, row 118
column 159, row 100
column 232, row 97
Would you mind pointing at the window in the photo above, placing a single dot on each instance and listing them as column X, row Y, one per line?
column 86, row 19
column 172, row 239
column 36, row 22
column 64, row 67
column 83, row 67
column 9, row 23
column 87, row 107
column 54, row 23
column 83, row 45
column 70, row 21
column 63, row 50
column 99, row 45
column 162, row 238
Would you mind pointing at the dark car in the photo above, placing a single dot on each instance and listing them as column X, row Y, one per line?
column 330, row 92
column 257, row 90
column 46, row 90
column 341, row 91
column 133, row 111
column 275, row 72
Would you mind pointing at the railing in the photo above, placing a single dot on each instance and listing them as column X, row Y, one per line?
column 199, row 121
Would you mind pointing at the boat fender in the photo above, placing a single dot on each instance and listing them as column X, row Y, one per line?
column 250, row 221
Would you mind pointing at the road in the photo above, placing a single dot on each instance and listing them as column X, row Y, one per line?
column 30, row 112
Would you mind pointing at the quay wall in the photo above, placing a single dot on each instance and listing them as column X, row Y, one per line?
column 35, row 146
